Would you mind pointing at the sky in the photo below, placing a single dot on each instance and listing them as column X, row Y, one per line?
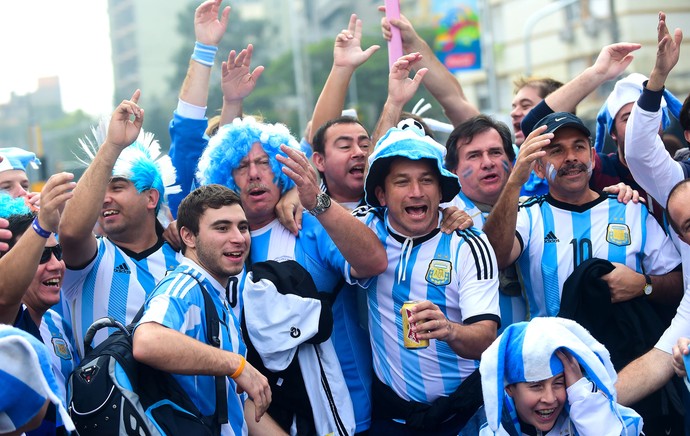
column 69, row 39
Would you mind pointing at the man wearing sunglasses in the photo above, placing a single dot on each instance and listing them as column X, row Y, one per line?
column 31, row 274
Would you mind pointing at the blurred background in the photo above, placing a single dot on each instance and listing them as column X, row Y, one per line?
column 69, row 63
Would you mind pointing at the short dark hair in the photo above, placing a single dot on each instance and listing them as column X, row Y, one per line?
column 674, row 191
column 194, row 205
column 18, row 224
column 684, row 117
column 319, row 141
column 543, row 85
column 465, row 132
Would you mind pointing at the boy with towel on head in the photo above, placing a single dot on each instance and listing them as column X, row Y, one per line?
column 550, row 376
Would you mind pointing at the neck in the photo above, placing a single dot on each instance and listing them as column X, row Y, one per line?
column 258, row 223
column 190, row 254
column 135, row 242
column 36, row 315
column 577, row 199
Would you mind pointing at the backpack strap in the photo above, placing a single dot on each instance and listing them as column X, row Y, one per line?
column 213, row 339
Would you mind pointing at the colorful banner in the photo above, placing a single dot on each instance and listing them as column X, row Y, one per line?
column 457, row 43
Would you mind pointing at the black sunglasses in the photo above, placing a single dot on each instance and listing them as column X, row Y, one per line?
column 49, row 251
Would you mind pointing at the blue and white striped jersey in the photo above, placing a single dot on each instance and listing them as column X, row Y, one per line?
column 178, row 303
column 458, row 273
column 556, row 237
column 60, row 346
column 513, row 308
column 115, row 283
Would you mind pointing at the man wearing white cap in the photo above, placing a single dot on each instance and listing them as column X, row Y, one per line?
column 453, row 278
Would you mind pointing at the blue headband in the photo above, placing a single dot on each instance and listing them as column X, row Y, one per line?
column 232, row 143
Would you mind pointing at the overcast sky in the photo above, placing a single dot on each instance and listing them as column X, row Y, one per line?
column 67, row 38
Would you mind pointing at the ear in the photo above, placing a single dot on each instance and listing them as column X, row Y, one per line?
column 686, row 134
column 152, row 198
column 188, row 238
column 593, row 157
column 614, row 137
column 380, row 195
column 539, row 168
column 510, row 390
column 318, row 160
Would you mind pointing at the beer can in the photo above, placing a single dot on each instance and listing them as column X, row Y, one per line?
column 410, row 338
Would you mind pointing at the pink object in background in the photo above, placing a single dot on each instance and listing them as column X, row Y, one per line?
column 395, row 50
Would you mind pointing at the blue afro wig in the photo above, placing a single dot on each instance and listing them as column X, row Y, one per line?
column 233, row 142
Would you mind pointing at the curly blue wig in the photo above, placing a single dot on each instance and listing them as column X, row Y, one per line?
column 233, row 142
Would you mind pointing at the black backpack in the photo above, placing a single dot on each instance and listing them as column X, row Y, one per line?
column 110, row 393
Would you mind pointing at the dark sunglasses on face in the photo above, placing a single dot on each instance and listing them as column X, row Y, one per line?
column 49, row 251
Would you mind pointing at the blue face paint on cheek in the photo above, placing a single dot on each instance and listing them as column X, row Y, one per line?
column 506, row 166
column 550, row 172
column 589, row 168
column 467, row 173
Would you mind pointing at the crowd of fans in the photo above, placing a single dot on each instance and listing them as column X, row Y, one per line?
column 546, row 278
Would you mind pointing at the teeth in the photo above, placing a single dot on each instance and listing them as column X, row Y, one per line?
column 109, row 213
column 545, row 412
column 52, row 282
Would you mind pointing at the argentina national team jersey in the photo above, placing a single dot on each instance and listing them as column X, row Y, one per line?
column 60, row 346
column 456, row 272
column 178, row 303
column 513, row 307
column 557, row 237
column 115, row 283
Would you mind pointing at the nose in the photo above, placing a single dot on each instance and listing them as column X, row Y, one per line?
column 486, row 161
column 548, row 395
column 19, row 191
column 415, row 189
column 516, row 112
column 53, row 264
column 358, row 152
column 253, row 171
column 236, row 236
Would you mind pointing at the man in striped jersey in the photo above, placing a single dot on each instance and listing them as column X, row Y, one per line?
column 480, row 153
column 122, row 190
column 171, row 335
column 453, row 277
column 551, row 235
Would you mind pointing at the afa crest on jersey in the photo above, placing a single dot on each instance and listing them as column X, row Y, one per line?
column 61, row 349
column 439, row 272
column 618, row 234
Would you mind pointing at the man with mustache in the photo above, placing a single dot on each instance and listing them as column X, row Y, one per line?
column 551, row 235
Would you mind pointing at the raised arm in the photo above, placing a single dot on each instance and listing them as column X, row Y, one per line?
column 400, row 90
column 645, row 153
column 18, row 266
column 347, row 57
column 501, row 224
column 237, row 81
column 81, row 213
column 611, row 62
column 357, row 243
column 189, row 122
column 440, row 82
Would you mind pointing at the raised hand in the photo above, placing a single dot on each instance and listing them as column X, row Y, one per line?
column 237, row 81
column 122, row 130
column 55, row 193
column 614, row 59
column 400, row 87
column 208, row 29
column 347, row 51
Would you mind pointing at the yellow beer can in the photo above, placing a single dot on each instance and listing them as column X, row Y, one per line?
column 410, row 338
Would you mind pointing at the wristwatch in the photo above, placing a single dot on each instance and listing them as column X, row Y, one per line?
column 648, row 285
column 323, row 202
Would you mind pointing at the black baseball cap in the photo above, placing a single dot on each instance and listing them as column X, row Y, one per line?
column 557, row 120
